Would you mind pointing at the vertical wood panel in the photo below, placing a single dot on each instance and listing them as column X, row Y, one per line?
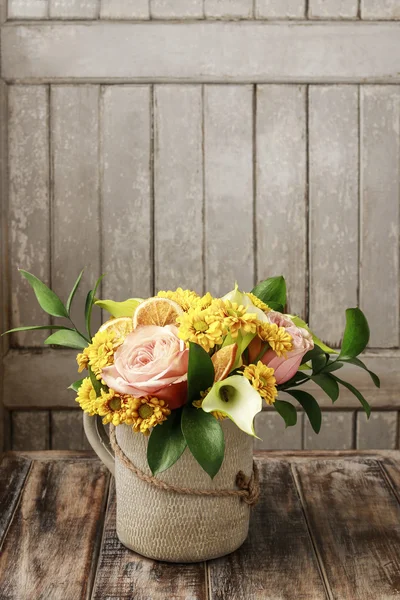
column 281, row 188
column 229, row 187
column 4, row 258
column 76, row 229
column 380, row 9
column 379, row 431
column 178, row 187
column 74, row 9
column 174, row 9
column 270, row 427
column 333, row 141
column 28, row 9
column 336, row 432
column 126, row 191
column 28, row 205
column 30, row 430
column 333, row 9
column 124, row 9
column 280, row 9
column 380, row 189
column 228, row 9
column 67, row 430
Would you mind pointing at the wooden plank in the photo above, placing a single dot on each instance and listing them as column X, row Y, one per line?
column 66, row 428
column 176, row 9
column 270, row 428
column 336, row 432
column 76, row 205
column 333, row 9
column 281, row 221
column 178, row 187
column 333, row 185
column 124, row 574
column 228, row 9
column 253, row 52
column 4, row 262
column 380, row 185
column 29, row 224
column 13, row 472
column 379, row 431
column 67, row 530
column 357, row 544
column 126, row 192
column 278, row 544
column 380, row 9
column 228, row 155
column 30, row 430
column 124, row 9
column 280, row 9
column 27, row 9
column 73, row 9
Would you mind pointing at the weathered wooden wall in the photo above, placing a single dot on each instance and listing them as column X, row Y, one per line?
column 150, row 141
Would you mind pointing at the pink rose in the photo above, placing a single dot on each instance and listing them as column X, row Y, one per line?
column 151, row 361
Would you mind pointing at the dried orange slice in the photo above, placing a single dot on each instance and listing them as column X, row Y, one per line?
column 120, row 327
column 223, row 361
column 156, row 311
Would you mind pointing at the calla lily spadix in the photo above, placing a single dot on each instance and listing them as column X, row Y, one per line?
column 237, row 399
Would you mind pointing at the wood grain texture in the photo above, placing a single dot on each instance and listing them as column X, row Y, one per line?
column 228, row 147
column 333, row 9
column 380, row 185
column 28, row 197
column 280, row 9
column 76, row 208
column 321, row 53
column 4, row 240
column 13, row 473
column 379, row 431
column 270, row 428
column 28, row 9
column 66, row 427
column 124, row 574
column 30, row 430
column 228, row 9
column 333, row 193
column 336, row 432
column 281, row 225
column 278, row 544
column 126, row 192
column 50, row 529
column 73, row 9
column 124, row 9
column 178, row 187
column 176, row 9
column 357, row 544
column 380, row 9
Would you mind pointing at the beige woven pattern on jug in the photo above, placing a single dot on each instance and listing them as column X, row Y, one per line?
column 168, row 526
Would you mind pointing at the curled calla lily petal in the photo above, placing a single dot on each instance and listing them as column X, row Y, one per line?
column 241, row 298
column 237, row 399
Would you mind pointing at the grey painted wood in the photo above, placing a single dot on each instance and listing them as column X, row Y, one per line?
column 280, row 9
column 30, row 430
column 28, row 9
column 281, row 188
column 76, row 241
column 124, row 9
column 4, row 266
column 270, row 427
column 176, row 9
column 228, row 9
column 380, row 9
column 379, row 234
column 333, row 9
column 333, row 193
column 336, row 432
column 228, row 147
column 74, row 9
column 323, row 52
column 126, row 191
column 380, row 431
column 178, row 187
column 28, row 197
column 66, row 427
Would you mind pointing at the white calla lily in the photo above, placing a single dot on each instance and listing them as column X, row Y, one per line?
column 236, row 398
column 241, row 298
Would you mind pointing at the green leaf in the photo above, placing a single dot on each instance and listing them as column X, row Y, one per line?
column 287, row 412
column 96, row 383
column 68, row 338
column 272, row 291
column 310, row 406
column 300, row 323
column 120, row 309
column 36, row 327
column 357, row 394
column 356, row 334
column 89, row 306
column 200, row 372
column 328, row 384
column 76, row 385
column 319, row 362
column 332, row 366
column 73, row 291
column 48, row 300
column 312, row 354
column 166, row 443
column 204, row 437
column 358, row 363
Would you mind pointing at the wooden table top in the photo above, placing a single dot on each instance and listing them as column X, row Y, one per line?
column 327, row 527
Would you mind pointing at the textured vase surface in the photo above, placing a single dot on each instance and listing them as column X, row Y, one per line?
column 172, row 527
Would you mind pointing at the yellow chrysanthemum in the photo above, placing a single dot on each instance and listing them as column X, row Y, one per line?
column 83, row 360
column 147, row 413
column 185, row 298
column 87, row 397
column 263, row 381
column 220, row 416
column 258, row 303
column 204, row 302
column 101, row 350
column 237, row 318
column 277, row 337
column 115, row 408
column 203, row 327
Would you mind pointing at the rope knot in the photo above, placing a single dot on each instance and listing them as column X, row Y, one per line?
column 250, row 484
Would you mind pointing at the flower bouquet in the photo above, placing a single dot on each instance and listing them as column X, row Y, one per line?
column 180, row 378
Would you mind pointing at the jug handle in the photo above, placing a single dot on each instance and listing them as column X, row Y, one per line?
column 99, row 440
